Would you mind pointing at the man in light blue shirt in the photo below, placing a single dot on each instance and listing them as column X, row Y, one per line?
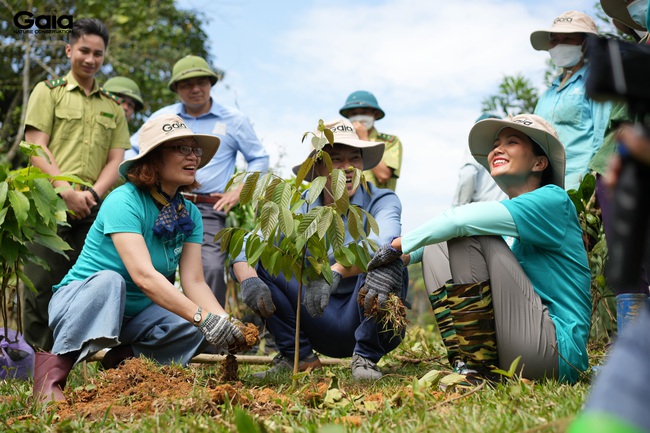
column 192, row 79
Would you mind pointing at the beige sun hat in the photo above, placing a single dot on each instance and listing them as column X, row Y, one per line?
column 344, row 133
column 483, row 133
column 568, row 22
column 164, row 128
column 617, row 9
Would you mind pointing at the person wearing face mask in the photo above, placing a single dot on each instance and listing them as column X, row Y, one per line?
column 362, row 109
column 579, row 121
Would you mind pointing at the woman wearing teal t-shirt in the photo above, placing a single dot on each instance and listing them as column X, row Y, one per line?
column 516, row 279
column 118, row 295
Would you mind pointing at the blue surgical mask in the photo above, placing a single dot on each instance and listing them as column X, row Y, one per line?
column 637, row 10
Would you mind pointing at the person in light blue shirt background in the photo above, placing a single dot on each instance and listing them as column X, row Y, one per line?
column 474, row 181
column 192, row 80
column 579, row 121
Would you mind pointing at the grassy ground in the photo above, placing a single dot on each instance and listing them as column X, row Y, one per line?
column 327, row 400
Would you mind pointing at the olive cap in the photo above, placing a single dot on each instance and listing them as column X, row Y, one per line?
column 124, row 86
column 190, row 67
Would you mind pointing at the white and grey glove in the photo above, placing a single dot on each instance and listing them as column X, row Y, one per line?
column 318, row 292
column 221, row 332
column 257, row 296
column 384, row 255
column 382, row 281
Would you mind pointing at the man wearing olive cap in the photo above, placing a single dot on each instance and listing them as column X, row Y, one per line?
column 362, row 109
column 192, row 79
column 129, row 92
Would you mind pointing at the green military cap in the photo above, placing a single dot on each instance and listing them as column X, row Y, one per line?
column 124, row 86
column 190, row 67
column 361, row 99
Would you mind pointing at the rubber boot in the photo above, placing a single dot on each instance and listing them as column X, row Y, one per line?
column 442, row 313
column 50, row 375
column 628, row 306
column 473, row 317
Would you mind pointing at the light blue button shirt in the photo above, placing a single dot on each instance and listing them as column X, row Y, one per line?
column 579, row 121
column 236, row 134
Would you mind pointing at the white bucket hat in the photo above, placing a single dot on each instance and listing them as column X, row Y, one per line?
column 568, row 22
column 483, row 133
column 165, row 128
column 344, row 133
column 617, row 9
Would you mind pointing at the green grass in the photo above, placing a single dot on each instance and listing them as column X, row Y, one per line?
column 349, row 406
column 515, row 406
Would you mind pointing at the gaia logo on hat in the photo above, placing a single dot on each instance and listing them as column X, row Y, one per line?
column 169, row 127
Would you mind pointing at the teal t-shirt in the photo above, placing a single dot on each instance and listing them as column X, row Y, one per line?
column 130, row 210
column 551, row 252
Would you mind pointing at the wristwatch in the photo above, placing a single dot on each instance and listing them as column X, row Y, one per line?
column 197, row 317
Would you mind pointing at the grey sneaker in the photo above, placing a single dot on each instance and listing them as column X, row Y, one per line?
column 364, row 369
column 282, row 363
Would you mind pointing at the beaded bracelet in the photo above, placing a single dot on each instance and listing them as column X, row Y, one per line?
column 95, row 195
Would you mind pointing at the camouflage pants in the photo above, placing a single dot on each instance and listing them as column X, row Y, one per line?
column 522, row 322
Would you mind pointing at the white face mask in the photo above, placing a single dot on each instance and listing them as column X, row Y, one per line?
column 566, row 56
column 637, row 10
column 366, row 120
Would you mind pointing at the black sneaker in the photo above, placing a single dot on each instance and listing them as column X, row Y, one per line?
column 282, row 363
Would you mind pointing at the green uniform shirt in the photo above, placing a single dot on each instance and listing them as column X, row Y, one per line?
column 392, row 158
column 82, row 128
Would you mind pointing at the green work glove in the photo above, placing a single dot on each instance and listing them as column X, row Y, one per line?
column 221, row 332
column 381, row 282
column 318, row 292
column 257, row 296
column 384, row 255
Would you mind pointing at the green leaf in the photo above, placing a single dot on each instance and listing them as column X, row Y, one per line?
column 371, row 222
column 4, row 186
column 282, row 193
column 25, row 279
column 324, row 222
column 286, row 221
column 246, row 194
column 309, row 224
column 259, row 249
column 19, row 204
column 43, row 195
column 269, row 218
column 354, row 224
column 329, row 135
column 304, row 170
column 336, row 232
column 54, row 243
column 316, row 188
column 3, row 214
column 237, row 242
column 339, row 186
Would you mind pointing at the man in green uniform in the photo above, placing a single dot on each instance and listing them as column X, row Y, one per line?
column 363, row 110
column 83, row 130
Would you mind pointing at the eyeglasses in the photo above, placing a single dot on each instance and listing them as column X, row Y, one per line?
column 187, row 150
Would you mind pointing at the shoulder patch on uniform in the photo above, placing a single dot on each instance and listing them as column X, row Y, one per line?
column 112, row 96
column 55, row 82
column 386, row 137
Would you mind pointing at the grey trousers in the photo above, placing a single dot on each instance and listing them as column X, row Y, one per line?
column 523, row 324
column 211, row 256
